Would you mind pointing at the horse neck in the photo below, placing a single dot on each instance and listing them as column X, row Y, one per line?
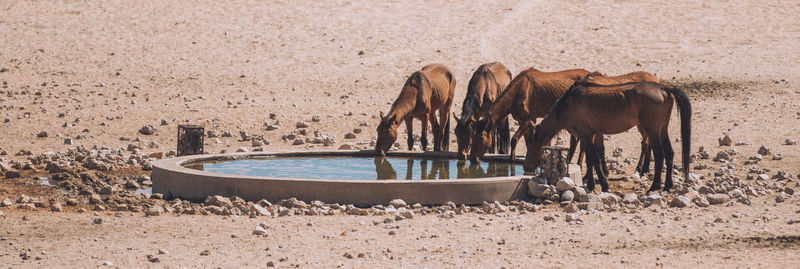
column 550, row 126
column 500, row 108
column 404, row 104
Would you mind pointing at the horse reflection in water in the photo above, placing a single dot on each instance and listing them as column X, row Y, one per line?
column 384, row 169
column 494, row 169
column 440, row 169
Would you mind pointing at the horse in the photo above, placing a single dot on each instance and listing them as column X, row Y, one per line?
column 589, row 110
column 425, row 92
column 598, row 78
column 488, row 81
column 528, row 96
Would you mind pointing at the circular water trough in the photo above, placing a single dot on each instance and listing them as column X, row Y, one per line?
column 172, row 179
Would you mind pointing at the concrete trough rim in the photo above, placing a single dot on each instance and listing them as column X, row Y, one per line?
column 168, row 172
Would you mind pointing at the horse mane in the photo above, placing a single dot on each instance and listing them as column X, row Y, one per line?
column 472, row 100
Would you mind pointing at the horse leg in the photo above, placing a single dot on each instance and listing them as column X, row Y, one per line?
column 589, row 177
column 597, row 152
column 573, row 143
column 444, row 117
column 424, row 138
column 645, row 153
column 600, row 145
column 410, row 131
column 505, row 136
column 668, row 157
column 648, row 156
column 493, row 148
column 436, row 129
column 658, row 154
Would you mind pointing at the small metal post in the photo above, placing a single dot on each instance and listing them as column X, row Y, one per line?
column 190, row 139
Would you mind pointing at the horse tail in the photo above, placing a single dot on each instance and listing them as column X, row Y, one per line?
column 685, row 112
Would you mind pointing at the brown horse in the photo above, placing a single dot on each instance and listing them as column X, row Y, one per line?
column 529, row 96
column 485, row 86
column 598, row 78
column 425, row 92
column 591, row 110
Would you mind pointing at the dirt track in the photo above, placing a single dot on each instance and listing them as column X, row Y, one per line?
column 117, row 66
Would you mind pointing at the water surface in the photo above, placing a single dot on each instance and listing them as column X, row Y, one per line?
column 360, row 168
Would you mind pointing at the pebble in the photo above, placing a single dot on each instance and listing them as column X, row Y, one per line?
column 789, row 142
column 567, row 196
column 763, row 150
column 565, row 184
column 301, row 124
column 680, row 201
column 349, row 136
column 397, row 203
column 56, row 207
column 147, row 130
column 725, row 140
column 98, row 221
column 347, row 146
column 630, row 198
column 205, row 253
column 718, row 198
column 153, row 258
column 259, row 230
column 6, row 202
column 298, row 141
column 42, row 134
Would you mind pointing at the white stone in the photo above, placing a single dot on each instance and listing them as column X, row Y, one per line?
column 397, row 203
column 565, row 184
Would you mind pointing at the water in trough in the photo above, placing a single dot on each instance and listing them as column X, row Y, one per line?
column 360, row 168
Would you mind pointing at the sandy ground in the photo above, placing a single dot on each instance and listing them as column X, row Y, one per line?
column 108, row 68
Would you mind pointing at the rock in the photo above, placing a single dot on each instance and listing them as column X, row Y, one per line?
column 56, row 207
column 630, row 198
column 147, row 130
column 565, row 184
column 12, row 174
column 762, row 177
column 245, row 136
column 42, row 134
column 6, row 202
column 298, row 141
column 152, row 258
column 68, row 141
column 725, row 140
column 219, row 201
column 259, row 230
column 571, row 208
column 609, row 198
column 580, row 194
column 567, row 196
column 154, row 211
column 718, row 198
column 780, row 199
column 301, row 124
column 789, row 142
column 347, row 146
column 572, row 217
column 763, row 150
column 541, row 191
column 680, row 201
column 260, row 210
column 397, row 203
column 98, row 221
column 788, row 191
column 349, row 136
column 405, row 213
column 205, row 253
column 654, row 199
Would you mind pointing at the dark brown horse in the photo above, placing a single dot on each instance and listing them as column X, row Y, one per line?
column 598, row 78
column 485, row 86
column 591, row 110
column 424, row 93
column 529, row 96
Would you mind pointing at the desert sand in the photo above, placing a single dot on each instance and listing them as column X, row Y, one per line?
column 97, row 72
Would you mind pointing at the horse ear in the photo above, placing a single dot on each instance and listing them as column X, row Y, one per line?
column 382, row 115
column 456, row 117
column 392, row 119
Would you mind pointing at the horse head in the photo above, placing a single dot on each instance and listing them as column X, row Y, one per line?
column 387, row 133
column 534, row 142
column 481, row 139
column 464, row 127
